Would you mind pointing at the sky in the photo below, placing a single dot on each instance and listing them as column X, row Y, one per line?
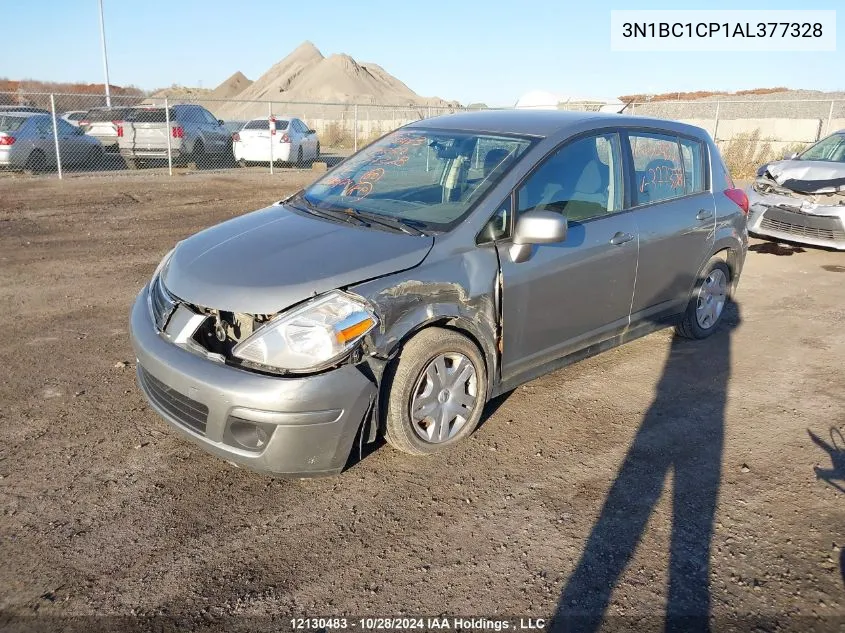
column 467, row 50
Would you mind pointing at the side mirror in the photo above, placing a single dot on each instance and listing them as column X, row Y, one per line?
column 312, row 131
column 221, row 121
column 537, row 227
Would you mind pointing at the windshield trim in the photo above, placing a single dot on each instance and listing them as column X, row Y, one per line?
column 445, row 227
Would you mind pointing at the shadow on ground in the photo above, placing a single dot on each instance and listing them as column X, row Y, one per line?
column 775, row 248
column 836, row 452
column 678, row 440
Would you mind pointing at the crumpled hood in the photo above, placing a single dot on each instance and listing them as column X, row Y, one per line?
column 808, row 176
column 268, row 260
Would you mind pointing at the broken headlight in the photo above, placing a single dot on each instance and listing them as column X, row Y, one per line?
column 311, row 336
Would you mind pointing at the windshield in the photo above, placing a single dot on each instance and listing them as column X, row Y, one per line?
column 831, row 149
column 430, row 177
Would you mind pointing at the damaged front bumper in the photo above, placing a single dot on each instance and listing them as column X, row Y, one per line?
column 790, row 218
column 301, row 426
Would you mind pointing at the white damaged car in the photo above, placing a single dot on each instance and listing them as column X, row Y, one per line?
column 802, row 199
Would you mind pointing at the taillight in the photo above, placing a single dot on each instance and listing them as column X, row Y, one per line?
column 178, row 132
column 83, row 123
column 7, row 140
column 119, row 127
column 739, row 197
column 284, row 139
column 236, row 137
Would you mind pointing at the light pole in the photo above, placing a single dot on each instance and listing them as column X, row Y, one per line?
column 105, row 57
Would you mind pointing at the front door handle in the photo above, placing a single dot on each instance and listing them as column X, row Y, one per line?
column 704, row 214
column 621, row 238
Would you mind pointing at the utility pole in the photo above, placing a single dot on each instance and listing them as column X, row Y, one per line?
column 105, row 57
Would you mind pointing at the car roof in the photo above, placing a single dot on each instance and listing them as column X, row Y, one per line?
column 542, row 123
column 23, row 115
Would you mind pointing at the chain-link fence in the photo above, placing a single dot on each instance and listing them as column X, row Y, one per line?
column 83, row 132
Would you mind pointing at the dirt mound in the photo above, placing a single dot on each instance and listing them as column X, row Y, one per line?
column 232, row 87
column 305, row 75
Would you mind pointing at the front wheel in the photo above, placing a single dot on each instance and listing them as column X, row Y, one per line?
column 435, row 392
column 707, row 304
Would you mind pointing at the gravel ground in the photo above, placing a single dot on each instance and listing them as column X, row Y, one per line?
column 591, row 488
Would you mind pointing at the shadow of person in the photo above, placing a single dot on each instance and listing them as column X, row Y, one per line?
column 837, row 458
column 681, row 435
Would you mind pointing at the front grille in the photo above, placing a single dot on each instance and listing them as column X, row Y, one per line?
column 186, row 411
column 162, row 303
column 818, row 227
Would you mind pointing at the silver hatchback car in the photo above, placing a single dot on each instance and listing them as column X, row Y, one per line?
column 444, row 264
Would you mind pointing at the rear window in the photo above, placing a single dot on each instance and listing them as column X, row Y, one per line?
column 264, row 124
column 11, row 123
column 157, row 115
column 105, row 115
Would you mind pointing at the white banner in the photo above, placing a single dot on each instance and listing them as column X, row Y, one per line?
column 728, row 30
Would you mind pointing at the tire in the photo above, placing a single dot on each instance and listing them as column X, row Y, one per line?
column 408, row 383
column 36, row 162
column 706, row 307
column 199, row 159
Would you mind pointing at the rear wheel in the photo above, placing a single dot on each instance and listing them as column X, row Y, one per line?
column 435, row 392
column 707, row 304
column 36, row 162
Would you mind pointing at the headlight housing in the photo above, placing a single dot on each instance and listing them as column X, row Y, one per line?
column 311, row 336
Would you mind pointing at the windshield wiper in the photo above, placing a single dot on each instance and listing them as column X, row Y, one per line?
column 328, row 214
column 410, row 227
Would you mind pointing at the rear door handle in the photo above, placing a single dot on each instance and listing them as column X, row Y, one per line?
column 704, row 214
column 621, row 238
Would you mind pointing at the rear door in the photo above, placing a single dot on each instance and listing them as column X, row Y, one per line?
column 72, row 145
column 569, row 295
column 675, row 214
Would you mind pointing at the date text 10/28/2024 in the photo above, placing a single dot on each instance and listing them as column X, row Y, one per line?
column 418, row 624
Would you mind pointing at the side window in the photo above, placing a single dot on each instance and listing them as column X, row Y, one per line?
column 658, row 168
column 582, row 180
column 693, row 154
column 212, row 120
column 65, row 128
column 498, row 227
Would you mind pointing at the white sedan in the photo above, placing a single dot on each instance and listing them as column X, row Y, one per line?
column 280, row 139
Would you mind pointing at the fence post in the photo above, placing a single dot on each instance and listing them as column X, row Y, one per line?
column 716, row 124
column 169, row 133
column 270, row 131
column 355, row 133
column 829, row 117
column 56, row 134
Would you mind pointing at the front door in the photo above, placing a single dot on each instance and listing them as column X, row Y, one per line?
column 569, row 295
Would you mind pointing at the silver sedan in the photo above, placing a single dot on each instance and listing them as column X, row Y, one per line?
column 27, row 142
